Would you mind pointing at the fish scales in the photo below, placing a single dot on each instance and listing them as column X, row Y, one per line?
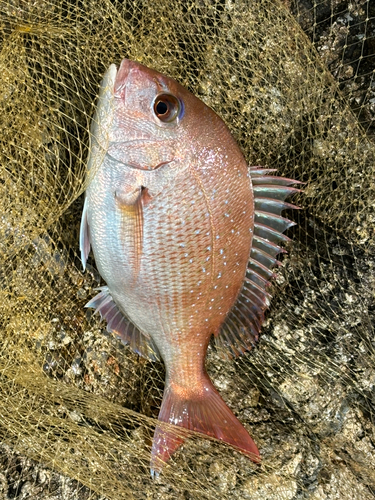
column 169, row 213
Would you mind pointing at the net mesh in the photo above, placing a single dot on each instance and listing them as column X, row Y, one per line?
column 294, row 81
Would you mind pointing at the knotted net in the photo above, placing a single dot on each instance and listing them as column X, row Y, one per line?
column 295, row 84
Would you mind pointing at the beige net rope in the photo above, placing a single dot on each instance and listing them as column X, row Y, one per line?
column 78, row 409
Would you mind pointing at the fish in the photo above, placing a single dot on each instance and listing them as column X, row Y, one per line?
column 186, row 235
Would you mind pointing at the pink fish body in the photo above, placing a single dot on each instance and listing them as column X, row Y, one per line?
column 185, row 235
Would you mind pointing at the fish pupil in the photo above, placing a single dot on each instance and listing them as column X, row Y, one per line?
column 161, row 108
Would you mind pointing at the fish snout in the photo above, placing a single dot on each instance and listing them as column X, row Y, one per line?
column 126, row 67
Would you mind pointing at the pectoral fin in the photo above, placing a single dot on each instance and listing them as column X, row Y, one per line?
column 132, row 212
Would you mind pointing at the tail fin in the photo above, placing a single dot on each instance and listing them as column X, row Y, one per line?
column 205, row 412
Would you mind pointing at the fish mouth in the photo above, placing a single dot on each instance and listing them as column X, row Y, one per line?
column 137, row 153
column 140, row 141
column 148, row 167
column 138, row 166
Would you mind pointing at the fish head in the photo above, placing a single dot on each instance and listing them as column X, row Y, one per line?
column 153, row 118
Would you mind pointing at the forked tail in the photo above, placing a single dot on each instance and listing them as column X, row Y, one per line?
column 203, row 411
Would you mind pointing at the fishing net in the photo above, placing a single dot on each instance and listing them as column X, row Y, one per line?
column 295, row 84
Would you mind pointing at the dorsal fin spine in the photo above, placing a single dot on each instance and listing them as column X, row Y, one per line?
column 258, row 278
column 273, row 180
column 263, row 304
column 269, row 274
column 277, row 222
column 272, row 248
column 263, row 255
column 260, row 171
column 252, row 283
column 272, row 233
column 274, row 192
column 247, row 320
column 272, row 206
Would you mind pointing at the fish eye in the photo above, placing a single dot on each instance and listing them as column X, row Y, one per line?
column 167, row 107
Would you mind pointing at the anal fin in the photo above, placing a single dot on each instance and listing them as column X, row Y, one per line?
column 119, row 324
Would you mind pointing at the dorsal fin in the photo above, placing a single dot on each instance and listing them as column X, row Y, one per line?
column 119, row 324
column 241, row 328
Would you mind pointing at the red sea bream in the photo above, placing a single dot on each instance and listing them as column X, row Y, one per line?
column 185, row 235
